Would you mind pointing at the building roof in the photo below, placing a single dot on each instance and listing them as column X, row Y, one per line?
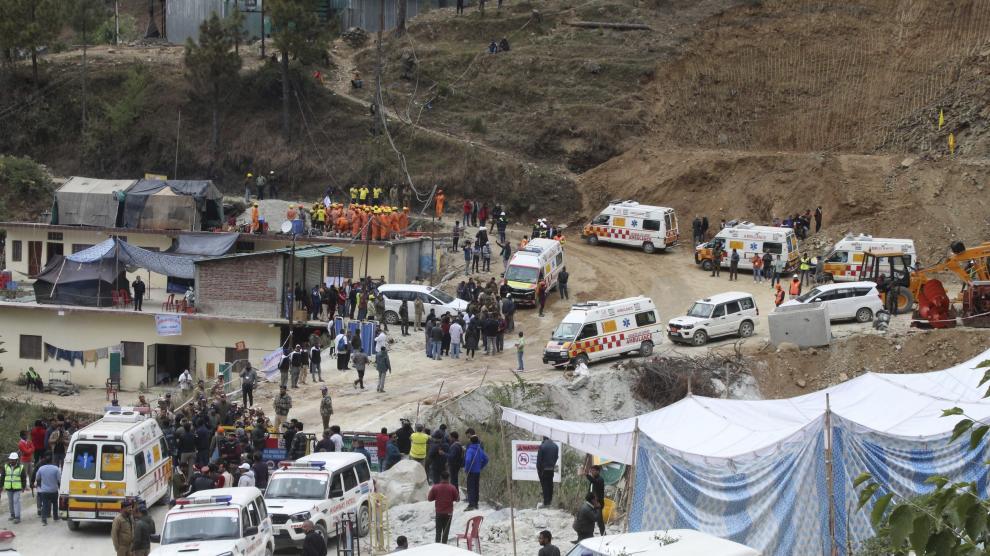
column 78, row 184
column 305, row 252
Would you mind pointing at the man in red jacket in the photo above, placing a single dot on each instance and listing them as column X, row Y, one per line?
column 38, row 439
column 443, row 495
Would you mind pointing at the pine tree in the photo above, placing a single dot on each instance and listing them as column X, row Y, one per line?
column 212, row 68
column 296, row 32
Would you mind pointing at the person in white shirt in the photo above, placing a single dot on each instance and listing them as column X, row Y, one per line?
column 336, row 439
column 247, row 476
column 381, row 340
column 185, row 384
column 456, row 332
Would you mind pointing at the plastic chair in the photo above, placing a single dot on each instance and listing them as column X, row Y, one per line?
column 169, row 304
column 125, row 297
column 114, row 299
column 471, row 533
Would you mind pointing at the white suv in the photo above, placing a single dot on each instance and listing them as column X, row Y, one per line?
column 730, row 313
column 229, row 521
column 323, row 487
column 844, row 300
column 433, row 298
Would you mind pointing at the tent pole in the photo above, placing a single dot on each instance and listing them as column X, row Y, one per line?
column 51, row 296
column 632, row 477
column 830, row 476
column 508, row 482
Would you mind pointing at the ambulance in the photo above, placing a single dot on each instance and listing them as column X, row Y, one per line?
column 323, row 487
column 845, row 260
column 747, row 239
column 541, row 259
column 630, row 223
column 598, row 329
column 221, row 521
column 123, row 455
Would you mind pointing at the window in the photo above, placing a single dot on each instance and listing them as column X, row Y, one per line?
column 651, row 225
column 233, row 354
column 77, row 247
column 732, row 307
column 772, row 248
column 133, row 354
column 253, row 516
column 262, row 509
column 838, row 257
column 589, row 330
column 428, row 299
column 30, row 347
column 601, row 220
column 646, row 318
column 340, row 267
column 84, row 462
column 560, row 259
column 363, row 472
column 336, row 491
column 55, row 236
column 112, row 463
column 245, row 518
column 719, row 311
column 668, row 219
column 244, row 247
column 862, row 291
column 139, row 467
column 15, row 250
column 350, row 479
column 746, row 303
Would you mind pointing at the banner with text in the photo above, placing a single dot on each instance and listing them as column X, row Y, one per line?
column 168, row 325
column 524, row 461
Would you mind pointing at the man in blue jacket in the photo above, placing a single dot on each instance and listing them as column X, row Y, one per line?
column 546, row 463
column 475, row 459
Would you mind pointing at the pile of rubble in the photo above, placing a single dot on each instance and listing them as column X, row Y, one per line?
column 356, row 37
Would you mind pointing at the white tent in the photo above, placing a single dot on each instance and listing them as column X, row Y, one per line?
column 903, row 405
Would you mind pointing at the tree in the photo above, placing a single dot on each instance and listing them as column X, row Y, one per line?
column 235, row 26
column 32, row 24
column 212, row 68
column 400, row 19
column 85, row 16
column 296, row 32
column 951, row 520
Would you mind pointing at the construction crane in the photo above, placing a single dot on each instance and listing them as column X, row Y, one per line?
column 894, row 276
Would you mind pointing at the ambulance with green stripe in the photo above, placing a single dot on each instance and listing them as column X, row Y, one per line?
column 123, row 455
column 595, row 330
column 541, row 260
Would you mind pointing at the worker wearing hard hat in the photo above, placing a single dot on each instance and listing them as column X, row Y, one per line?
column 255, row 218
column 438, row 202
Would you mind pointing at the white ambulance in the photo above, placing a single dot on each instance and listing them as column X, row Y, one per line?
column 541, row 259
column 747, row 239
column 323, row 487
column 598, row 329
column 123, row 455
column 630, row 223
column 845, row 260
column 223, row 521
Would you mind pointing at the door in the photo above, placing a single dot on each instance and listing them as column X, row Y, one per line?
column 34, row 258
column 845, row 303
column 733, row 316
column 152, row 360
column 718, row 324
column 54, row 248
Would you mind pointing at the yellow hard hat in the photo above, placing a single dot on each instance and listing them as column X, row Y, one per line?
column 249, row 174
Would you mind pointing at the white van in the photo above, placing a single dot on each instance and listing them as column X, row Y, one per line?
column 231, row 521
column 725, row 314
column 747, row 239
column 598, row 329
column 323, row 487
column 123, row 455
column 630, row 223
column 541, row 259
column 845, row 261
column 848, row 300
column 671, row 542
column 433, row 298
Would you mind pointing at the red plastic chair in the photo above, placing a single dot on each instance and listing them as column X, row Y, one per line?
column 471, row 533
column 114, row 299
column 125, row 297
column 169, row 304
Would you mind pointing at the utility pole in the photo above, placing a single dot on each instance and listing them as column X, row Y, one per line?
column 116, row 22
column 292, row 288
column 263, row 29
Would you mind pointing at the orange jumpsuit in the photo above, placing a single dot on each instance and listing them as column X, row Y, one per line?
column 404, row 221
column 342, row 224
column 396, row 220
column 439, row 203
column 255, row 220
column 356, row 223
column 376, row 229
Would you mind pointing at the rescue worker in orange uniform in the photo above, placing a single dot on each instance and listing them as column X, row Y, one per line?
column 342, row 223
column 376, row 228
column 440, row 198
column 356, row 222
column 795, row 289
column 404, row 221
column 255, row 219
column 523, row 242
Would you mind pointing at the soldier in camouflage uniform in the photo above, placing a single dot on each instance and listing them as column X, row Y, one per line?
column 283, row 403
column 326, row 408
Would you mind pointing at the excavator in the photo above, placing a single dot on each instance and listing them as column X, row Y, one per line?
column 894, row 276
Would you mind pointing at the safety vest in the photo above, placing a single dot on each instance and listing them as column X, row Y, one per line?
column 363, row 193
column 12, row 478
column 805, row 264
column 354, row 193
column 376, row 192
column 795, row 287
column 779, row 297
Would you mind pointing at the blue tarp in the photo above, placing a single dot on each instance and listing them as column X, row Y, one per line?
column 180, row 266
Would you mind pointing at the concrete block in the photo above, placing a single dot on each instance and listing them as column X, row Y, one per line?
column 804, row 325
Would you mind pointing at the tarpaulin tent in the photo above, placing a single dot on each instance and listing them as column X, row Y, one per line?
column 72, row 283
column 173, row 205
column 132, row 257
column 89, row 202
column 754, row 471
column 204, row 244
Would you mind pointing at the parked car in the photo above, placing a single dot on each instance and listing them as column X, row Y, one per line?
column 672, row 542
column 725, row 314
column 846, row 300
column 433, row 298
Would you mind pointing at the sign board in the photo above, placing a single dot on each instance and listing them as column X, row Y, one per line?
column 524, row 461
column 168, row 325
column 269, row 365
column 159, row 177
